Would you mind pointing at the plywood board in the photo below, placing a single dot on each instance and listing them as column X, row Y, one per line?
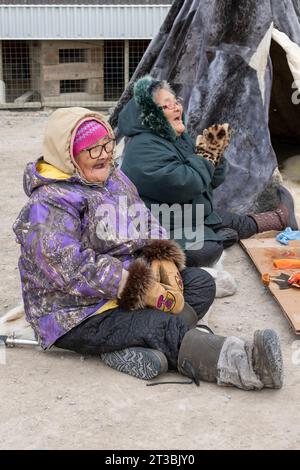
column 262, row 249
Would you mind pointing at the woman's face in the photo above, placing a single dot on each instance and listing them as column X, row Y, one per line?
column 171, row 109
column 95, row 170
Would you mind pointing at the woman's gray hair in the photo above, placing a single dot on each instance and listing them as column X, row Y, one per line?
column 162, row 85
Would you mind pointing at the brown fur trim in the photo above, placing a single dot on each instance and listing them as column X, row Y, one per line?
column 165, row 249
column 139, row 281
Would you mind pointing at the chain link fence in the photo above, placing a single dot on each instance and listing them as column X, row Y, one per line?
column 37, row 74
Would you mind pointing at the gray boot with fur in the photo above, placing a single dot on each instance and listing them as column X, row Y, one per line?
column 231, row 361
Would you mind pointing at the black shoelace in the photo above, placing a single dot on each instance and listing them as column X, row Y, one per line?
column 183, row 382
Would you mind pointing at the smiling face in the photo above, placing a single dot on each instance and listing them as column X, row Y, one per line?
column 95, row 170
column 165, row 98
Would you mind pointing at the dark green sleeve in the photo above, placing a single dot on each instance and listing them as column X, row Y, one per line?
column 219, row 174
column 159, row 173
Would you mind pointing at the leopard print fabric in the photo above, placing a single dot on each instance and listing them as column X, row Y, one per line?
column 213, row 142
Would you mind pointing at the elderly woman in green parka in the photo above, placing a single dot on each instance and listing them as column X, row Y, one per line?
column 161, row 160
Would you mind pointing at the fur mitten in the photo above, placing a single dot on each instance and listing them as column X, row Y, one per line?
column 167, row 273
column 213, row 142
column 142, row 290
column 164, row 250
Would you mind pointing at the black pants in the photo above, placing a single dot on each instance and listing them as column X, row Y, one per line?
column 118, row 329
column 241, row 226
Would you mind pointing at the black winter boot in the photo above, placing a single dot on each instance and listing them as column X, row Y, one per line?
column 188, row 315
column 143, row 363
column 199, row 354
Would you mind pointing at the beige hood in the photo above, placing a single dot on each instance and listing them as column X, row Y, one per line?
column 60, row 133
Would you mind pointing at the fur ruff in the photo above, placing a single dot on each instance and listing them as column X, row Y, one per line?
column 152, row 117
column 139, row 280
column 165, row 250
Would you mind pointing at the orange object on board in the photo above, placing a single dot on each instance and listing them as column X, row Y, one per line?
column 266, row 278
column 286, row 263
column 294, row 279
column 281, row 280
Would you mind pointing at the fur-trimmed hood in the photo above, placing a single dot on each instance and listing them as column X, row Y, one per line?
column 60, row 133
column 141, row 114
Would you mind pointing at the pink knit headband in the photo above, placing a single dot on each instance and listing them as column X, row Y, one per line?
column 87, row 134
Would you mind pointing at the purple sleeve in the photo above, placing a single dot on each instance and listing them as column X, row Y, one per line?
column 53, row 239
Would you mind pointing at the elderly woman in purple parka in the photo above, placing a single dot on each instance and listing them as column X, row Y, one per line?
column 99, row 276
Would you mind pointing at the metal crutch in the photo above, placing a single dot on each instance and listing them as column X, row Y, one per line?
column 10, row 341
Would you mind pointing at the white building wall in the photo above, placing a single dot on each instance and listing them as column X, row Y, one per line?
column 81, row 21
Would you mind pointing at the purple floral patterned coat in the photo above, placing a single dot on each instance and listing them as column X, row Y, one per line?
column 72, row 255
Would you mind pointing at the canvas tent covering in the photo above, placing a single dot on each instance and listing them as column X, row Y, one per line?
column 223, row 57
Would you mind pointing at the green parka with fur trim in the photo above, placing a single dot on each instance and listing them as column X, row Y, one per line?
column 165, row 169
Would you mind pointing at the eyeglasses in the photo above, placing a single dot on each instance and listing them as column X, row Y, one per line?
column 96, row 152
column 171, row 106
